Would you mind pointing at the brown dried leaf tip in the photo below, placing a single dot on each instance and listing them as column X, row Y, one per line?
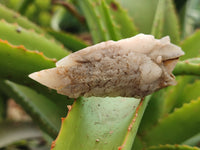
column 132, row 67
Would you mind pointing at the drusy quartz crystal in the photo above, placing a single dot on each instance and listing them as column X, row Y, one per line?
column 132, row 67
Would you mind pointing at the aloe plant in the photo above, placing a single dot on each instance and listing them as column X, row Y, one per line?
column 166, row 120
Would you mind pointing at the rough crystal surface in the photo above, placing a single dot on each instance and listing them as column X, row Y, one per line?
column 133, row 67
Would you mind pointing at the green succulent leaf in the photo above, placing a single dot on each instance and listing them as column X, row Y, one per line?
column 95, row 24
column 144, row 19
column 167, row 100
column 20, row 62
column 188, row 67
column 48, row 118
column 11, row 132
column 122, row 19
column 157, row 27
column 173, row 94
column 130, row 135
column 68, row 40
column 191, row 46
column 107, row 20
column 172, row 116
column 14, row 17
column 176, row 96
column 166, row 21
column 177, row 127
column 190, row 92
column 153, row 112
column 154, row 17
column 173, row 147
column 193, row 141
column 100, row 123
column 111, row 28
column 171, row 24
column 17, row 35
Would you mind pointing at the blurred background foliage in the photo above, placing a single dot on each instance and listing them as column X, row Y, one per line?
column 70, row 25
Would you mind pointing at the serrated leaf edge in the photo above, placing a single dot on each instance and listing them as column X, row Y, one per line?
column 21, row 47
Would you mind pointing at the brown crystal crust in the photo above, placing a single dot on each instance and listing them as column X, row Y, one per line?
column 133, row 67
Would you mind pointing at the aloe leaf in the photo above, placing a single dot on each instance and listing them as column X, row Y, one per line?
column 188, row 67
column 163, row 103
column 16, row 35
column 157, row 27
column 176, row 96
column 190, row 92
column 130, row 135
column 171, row 23
column 193, row 141
column 68, row 40
column 122, row 19
column 173, row 147
column 11, row 16
column 166, row 21
column 100, row 123
column 173, row 94
column 96, row 28
column 48, row 118
column 174, row 128
column 144, row 19
column 107, row 20
column 191, row 46
column 14, row 17
column 11, row 132
column 148, row 19
column 153, row 112
column 111, row 28
column 20, row 62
